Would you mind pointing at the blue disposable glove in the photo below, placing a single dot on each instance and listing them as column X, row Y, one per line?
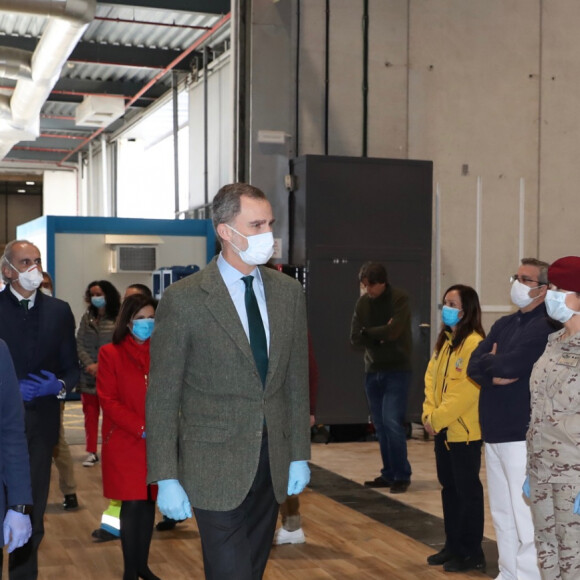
column 17, row 529
column 298, row 477
column 28, row 389
column 48, row 384
column 172, row 500
column 526, row 488
column 577, row 505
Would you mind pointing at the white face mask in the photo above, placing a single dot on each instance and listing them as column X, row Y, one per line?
column 46, row 291
column 260, row 248
column 556, row 306
column 520, row 294
column 30, row 279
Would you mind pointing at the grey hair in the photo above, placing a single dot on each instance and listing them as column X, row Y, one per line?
column 7, row 259
column 542, row 267
column 226, row 203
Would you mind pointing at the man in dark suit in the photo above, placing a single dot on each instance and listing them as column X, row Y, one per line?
column 40, row 333
column 16, row 495
column 227, row 406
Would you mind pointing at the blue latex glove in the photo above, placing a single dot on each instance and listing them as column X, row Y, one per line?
column 577, row 505
column 172, row 500
column 48, row 384
column 526, row 488
column 144, row 435
column 28, row 389
column 298, row 477
column 17, row 529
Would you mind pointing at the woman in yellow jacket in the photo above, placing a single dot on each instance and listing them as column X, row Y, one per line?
column 451, row 415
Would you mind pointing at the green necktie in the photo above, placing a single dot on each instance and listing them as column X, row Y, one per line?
column 24, row 303
column 258, row 341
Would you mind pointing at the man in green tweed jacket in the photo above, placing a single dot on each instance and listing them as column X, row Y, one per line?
column 227, row 423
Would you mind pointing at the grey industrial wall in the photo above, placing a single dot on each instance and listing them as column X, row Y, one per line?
column 485, row 89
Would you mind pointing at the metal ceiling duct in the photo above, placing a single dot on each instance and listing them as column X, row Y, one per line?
column 68, row 20
column 15, row 63
column 78, row 11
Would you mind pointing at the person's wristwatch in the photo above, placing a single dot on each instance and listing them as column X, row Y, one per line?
column 21, row 508
column 62, row 393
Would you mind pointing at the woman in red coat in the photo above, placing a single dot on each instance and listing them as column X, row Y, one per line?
column 122, row 386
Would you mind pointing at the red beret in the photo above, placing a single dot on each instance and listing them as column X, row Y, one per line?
column 565, row 273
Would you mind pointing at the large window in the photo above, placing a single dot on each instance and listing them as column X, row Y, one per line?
column 145, row 177
column 146, row 168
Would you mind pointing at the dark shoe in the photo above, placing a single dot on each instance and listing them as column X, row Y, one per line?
column 166, row 524
column 148, row 575
column 378, row 482
column 465, row 564
column 400, row 486
column 440, row 557
column 70, row 502
column 100, row 535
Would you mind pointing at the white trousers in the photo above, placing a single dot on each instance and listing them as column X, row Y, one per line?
column 505, row 465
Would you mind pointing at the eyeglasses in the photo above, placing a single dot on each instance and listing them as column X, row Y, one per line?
column 525, row 280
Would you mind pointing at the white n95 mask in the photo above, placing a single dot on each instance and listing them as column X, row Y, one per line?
column 30, row 279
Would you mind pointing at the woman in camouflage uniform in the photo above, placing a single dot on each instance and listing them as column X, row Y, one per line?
column 553, row 438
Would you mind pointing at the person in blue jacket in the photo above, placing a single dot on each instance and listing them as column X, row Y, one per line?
column 39, row 331
column 501, row 365
column 16, row 497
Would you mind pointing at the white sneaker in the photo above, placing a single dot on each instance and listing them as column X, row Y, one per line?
column 285, row 537
column 92, row 459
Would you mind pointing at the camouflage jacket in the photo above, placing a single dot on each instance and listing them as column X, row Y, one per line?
column 553, row 438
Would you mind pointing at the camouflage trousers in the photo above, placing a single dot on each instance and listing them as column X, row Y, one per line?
column 557, row 529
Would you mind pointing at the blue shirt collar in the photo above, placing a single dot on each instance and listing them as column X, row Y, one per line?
column 232, row 275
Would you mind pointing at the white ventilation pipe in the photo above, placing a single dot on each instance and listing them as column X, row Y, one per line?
column 5, row 113
column 81, row 11
column 68, row 20
column 15, row 63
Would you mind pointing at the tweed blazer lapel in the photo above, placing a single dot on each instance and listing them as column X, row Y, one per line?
column 219, row 303
column 277, row 317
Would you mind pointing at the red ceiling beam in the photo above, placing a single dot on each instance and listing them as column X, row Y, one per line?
column 41, row 149
column 146, row 23
column 60, row 136
column 58, row 117
column 81, row 94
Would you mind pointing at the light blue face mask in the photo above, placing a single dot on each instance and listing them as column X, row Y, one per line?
column 98, row 301
column 556, row 306
column 143, row 328
column 449, row 315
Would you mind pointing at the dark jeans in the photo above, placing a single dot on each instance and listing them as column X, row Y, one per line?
column 387, row 396
column 462, row 495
